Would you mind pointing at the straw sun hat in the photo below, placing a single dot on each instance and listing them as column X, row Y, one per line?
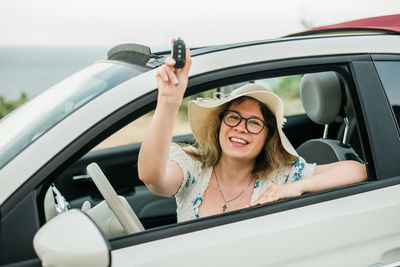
column 201, row 109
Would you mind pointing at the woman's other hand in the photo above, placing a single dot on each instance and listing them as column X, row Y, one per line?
column 276, row 192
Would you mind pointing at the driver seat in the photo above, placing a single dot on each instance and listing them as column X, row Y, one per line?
column 322, row 96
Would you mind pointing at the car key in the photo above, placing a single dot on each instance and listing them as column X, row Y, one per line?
column 178, row 53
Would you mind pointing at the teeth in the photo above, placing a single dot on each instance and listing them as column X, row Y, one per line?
column 237, row 140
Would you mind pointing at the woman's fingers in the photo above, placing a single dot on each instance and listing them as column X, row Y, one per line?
column 272, row 193
column 264, row 199
column 161, row 74
column 276, row 192
column 188, row 59
column 169, row 78
column 172, row 74
column 167, row 73
column 170, row 70
column 170, row 62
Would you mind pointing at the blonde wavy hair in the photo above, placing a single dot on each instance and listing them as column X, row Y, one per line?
column 272, row 157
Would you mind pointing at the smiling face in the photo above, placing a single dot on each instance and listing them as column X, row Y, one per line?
column 237, row 142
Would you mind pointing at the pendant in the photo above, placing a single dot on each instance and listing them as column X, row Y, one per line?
column 224, row 207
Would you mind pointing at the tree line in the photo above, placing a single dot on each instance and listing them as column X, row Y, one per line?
column 6, row 106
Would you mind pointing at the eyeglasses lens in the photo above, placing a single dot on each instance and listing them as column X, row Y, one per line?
column 253, row 125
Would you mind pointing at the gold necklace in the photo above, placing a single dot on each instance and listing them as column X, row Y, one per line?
column 224, row 207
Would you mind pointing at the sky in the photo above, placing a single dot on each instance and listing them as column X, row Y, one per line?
column 155, row 22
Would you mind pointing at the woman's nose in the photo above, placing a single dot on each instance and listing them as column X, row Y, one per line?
column 241, row 126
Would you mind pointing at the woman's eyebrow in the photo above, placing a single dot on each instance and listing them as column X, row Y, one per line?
column 252, row 116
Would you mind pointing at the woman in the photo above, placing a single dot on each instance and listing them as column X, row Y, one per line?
column 243, row 157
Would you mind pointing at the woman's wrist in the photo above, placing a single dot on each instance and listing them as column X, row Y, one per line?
column 169, row 102
column 302, row 186
column 166, row 113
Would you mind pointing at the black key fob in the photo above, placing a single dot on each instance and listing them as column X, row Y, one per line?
column 178, row 53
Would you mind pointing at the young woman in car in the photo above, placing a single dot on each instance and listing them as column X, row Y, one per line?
column 242, row 157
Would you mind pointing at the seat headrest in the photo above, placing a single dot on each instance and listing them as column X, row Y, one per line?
column 321, row 95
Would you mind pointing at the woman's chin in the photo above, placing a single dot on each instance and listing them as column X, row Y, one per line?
column 239, row 155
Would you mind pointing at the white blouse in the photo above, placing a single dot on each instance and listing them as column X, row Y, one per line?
column 196, row 179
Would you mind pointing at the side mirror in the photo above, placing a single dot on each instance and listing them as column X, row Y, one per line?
column 72, row 239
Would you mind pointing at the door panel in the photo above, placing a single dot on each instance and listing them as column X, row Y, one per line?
column 351, row 231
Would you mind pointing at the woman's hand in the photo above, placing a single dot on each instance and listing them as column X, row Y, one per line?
column 276, row 192
column 172, row 82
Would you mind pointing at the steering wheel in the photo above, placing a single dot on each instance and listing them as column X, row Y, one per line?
column 118, row 205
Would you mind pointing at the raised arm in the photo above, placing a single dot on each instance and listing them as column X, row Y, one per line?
column 160, row 175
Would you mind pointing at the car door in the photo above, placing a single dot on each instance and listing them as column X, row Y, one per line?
column 352, row 226
column 346, row 231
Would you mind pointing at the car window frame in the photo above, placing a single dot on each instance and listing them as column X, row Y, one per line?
column 199, row 84
column 271, row 208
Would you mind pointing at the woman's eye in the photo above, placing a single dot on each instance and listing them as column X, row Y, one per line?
column 255, row 122
column 233, row 117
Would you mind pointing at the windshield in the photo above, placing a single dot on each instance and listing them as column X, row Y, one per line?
column 23, row 126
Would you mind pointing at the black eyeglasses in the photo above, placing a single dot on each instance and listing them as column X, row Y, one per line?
column 253, row 125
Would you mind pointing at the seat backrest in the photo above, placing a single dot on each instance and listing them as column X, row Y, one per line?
column 322, row 97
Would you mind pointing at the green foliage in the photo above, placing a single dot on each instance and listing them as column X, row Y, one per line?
column 288, row 87
column 6, row 106
column 183, row 110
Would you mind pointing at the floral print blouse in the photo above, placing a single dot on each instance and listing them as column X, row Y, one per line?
column 196, row 179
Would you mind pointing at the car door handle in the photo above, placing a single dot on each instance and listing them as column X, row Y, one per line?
column 82, row 177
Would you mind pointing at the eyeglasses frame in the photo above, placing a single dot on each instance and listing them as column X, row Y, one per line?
column 243, row 118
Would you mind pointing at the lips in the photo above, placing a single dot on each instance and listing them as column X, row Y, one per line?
column 238, row 140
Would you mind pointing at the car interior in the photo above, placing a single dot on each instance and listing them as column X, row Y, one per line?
column 320, row 124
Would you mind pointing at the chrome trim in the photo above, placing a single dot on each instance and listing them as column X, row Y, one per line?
column 346, row 130
column 81, row 177
column 325, row 135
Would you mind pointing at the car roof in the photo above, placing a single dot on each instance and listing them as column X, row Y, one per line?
column 158, row 58
column 141, row 55
column 381, row 24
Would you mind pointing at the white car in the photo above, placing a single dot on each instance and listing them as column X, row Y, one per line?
column 52, row 212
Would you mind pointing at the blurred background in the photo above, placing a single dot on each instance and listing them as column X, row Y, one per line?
column 44, row 41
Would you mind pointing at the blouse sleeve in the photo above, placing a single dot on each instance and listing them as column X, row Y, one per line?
column 299, row 170
column 187, row 164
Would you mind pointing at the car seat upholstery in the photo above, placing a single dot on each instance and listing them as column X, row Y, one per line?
column 322, row 96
